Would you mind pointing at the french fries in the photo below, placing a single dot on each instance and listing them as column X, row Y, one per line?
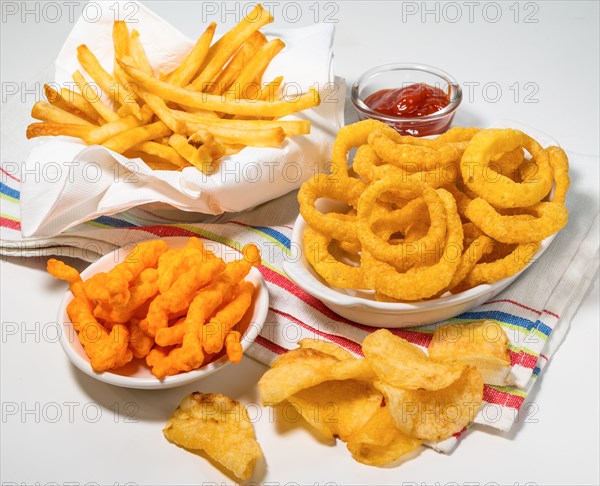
column 186, row 71
column 225, row 104
column 125, row 140
column 136, row 50
column 51, row 129
column 93, row 98
column 211, row 105
column 226, row 46
column 71, row 103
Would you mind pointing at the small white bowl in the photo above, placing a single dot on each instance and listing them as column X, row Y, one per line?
column 360, row 305
column 136, row 374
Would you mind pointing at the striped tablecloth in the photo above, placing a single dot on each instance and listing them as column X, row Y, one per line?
column 535, row 311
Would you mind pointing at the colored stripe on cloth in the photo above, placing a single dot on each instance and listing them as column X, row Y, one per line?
column 108, row 222
column 9, row 175
column 10, row 192
column 10, row 223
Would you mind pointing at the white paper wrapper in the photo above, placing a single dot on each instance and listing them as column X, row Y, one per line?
column 79, row 183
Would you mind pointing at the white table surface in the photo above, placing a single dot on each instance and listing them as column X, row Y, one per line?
column 61, row 427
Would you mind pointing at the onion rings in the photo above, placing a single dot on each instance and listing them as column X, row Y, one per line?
column 520, row 228
column 422, row 282
column 499, row 190
column 429, row 216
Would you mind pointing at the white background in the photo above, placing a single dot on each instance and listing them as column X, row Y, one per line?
column 552, row 63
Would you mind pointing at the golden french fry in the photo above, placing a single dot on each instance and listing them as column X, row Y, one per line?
column 81, row 104
column 237, row 63
column 112, row 129
column 152, row 161
column 165, row 152
column 190, row 65
column 260, row 137
column 56, row 99
column 115, row 90
column 181, row 145
column 146, row 111
column 137, row 52
column 46, row 112
column 200, row 111
column 93, row 98
column 226, row 46
column 247, row 84
column 121, row 45
column 123, row 80
column 125, row 140
column 204, row 138
column 157, row 165
column 225, row 104
column 199, row 157
column 162, row 111
column 215, row 148
column 50, row 129
column 194, row 122
column 120, row 35
column 269, row 91
column 232, row 149
column 201, row 137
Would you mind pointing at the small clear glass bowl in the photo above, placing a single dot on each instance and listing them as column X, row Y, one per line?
column 399, row 76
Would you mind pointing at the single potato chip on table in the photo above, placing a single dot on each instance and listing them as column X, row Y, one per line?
column 218, row 426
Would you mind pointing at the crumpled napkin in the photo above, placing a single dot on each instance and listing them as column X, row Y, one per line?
column 78, row 183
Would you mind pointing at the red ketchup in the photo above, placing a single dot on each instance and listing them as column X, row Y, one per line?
column 413, row 101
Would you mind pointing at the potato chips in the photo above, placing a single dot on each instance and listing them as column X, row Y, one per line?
column 218, row 426
column 385, row 405
column 482, row 345
column 177, row 309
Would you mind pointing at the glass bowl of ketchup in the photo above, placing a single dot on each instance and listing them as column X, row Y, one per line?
column 415, row 99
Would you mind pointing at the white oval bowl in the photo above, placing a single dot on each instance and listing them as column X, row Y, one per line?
column 360, row 305
column 136, row 374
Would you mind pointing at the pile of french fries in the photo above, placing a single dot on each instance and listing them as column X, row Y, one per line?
column 212, row 105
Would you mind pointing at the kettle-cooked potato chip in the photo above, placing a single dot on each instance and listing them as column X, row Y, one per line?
column 401, row 364
column 303, row 368
column 219, row 426
column 379, row 441
column 435, row 415
column 337, row 408
column 480, row 344
column 325, row 347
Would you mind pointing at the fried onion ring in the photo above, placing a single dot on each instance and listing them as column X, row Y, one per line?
column 560, row 166
column 341, row 226
column 403, row 253
column 501, row 268
column 520, row 228
column 422, row 282
column 412, row 154
column 336, row 273
column 499, row 190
